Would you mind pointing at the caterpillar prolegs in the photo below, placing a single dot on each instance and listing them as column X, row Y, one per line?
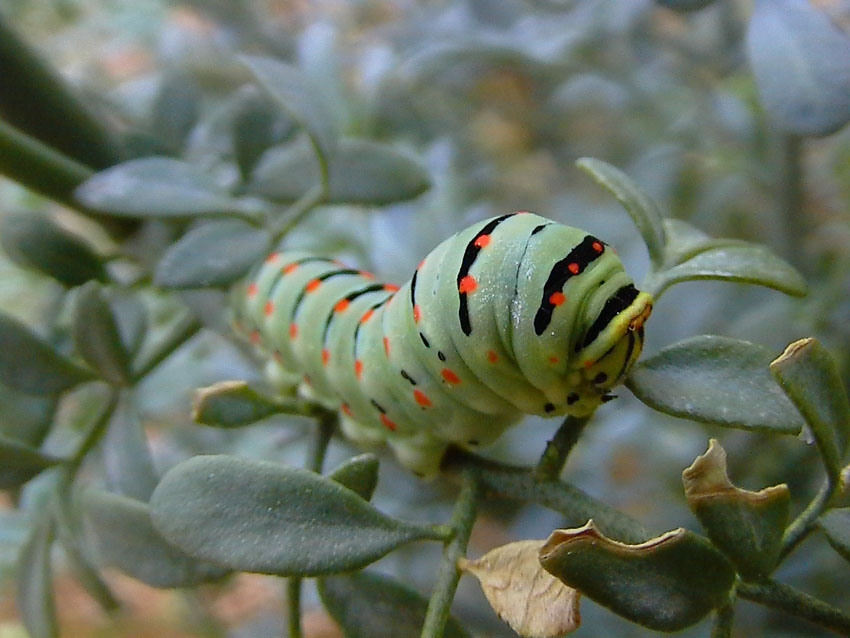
column 513, row 315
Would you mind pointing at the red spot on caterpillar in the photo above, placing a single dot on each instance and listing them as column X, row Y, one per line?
column 367, row 315
column 345, row 409
column 313, row 284
column 289, row 269
column 467, row 285
column 492, row 357
column 390, row 425
column 272, row 258
column 573, row 268
column 252, row 290
column 417, row 313
column 390, row 287
column 366, row 275
column 387, row 345
column 587, row 364
column 342, row 305
column 421, row 399
column 421, row 263
column 557, row 298
column 358, row 369
column 255, row 337
column 293, row 330
column 337, row 262
column 521, row 212
column 553, row 359
column 326, row 356
column 597, row 246
column 268, row 309
column 450, row 376
column 482, row 241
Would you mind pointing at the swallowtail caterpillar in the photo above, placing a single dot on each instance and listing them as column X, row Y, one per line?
column 513, row 315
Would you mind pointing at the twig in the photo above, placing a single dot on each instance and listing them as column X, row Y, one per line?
column 183, row 330
column 555, row 455
column 804, row 523
column 790, row 600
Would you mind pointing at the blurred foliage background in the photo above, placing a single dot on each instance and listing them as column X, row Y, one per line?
column 496, row 98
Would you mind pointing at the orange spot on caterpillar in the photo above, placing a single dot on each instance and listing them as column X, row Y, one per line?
column 289, row 269
column 389, row 424
column 326, row 356
column 337, row 262
column 345, row 409
column 272, row 258
column 293, row 330
column 587, row 364
column 521, row 212
column 390, row 287
column 557, row 298
column 366, row 275
column 450, row 376
column 313, row 284
column 252, row 290
column 573, row 268
column 387, row 345
column 598, row 247
column 421, row 263
column 467, row 285
column 417, row 313
column 482, row 241
column 421, row 399
column 255, row 337
column 367, row 315
column 492, row 357
column 358, row 369
column 342, row 305
column 553, row 359
column 268, row 309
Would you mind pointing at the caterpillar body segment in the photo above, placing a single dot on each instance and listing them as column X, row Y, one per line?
column 514, row 315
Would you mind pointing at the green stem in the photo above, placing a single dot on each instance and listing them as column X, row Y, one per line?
column 298, row 210
column 804, row 523
column 462, row 521
column 723, row 620
column 183, row 330
column 293, row 600
column 92, row 436
column 555, row 455
column 784, row 597
column 790, row 197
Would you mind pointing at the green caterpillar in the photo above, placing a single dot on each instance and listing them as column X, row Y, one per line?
column 514, row 315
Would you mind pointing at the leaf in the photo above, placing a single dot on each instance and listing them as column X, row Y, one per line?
column 684, row 5
column 644, row 211
column 97, row 338
column 33, row 240
column 124, row 538
column 740, row 262
column 836, row 525
column 746, row 526
column 531, row 600
column 19, row 462
column 175, row 109
column 801, row 62
column 35, row 588
column 131, row 317
column 810, row 377
column 361, row 172
column 370, row 605
column 685, row 241
column 716, row 380
column 261, row 517
column 359, row 474
column 25, row 417
column 294, row 91
column 666, row 583
column 127, row 459
column 212, row 254
column 234, row 404
column 156, row 187
column 257, row 125
column 30, row 365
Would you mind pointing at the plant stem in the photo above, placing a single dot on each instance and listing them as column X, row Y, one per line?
column 183, row 330
column 784, row 597
column 723, row 618
column 297, row 211
column 555, row 455
column 94, row 433
column 804, row 523
column 790, row 197
column 293, row 601
column 462, row 521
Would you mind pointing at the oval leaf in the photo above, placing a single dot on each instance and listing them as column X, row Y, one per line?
column 361, row 172
column 97, row 338
column 126, row 457
column 131, row 317
column 261, row 517
column 24, row 417
column 367, row 605
column 810, row 378
column 257, row 125
column 801, row 62
column 644, row 211
column 716, row 380
column 235, row 404
column 746, row 526
column 175, row 109
column 652, row 583
column 35, row 587
column 30, row 365
column 532, row 601
column 359, row 474
column 19, row 462
column 155, row 187
column 212, row 254
column 34, row 240
column 124, row 538
column 685, row 5
column 836, row 525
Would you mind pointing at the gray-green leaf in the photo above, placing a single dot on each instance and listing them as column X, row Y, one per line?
column 716, row 380
column 261, row 517
column 359, row 474
column 35, row 587
column 836, row 525
column 30, row 365
column 127, row 459
column 19, row 462
column 235, row 404
column 97, row 337
column 212, row 254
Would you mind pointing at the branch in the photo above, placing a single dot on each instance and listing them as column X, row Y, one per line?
column 784, row 597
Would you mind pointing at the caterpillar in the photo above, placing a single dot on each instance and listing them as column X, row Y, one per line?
column 514, row 315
